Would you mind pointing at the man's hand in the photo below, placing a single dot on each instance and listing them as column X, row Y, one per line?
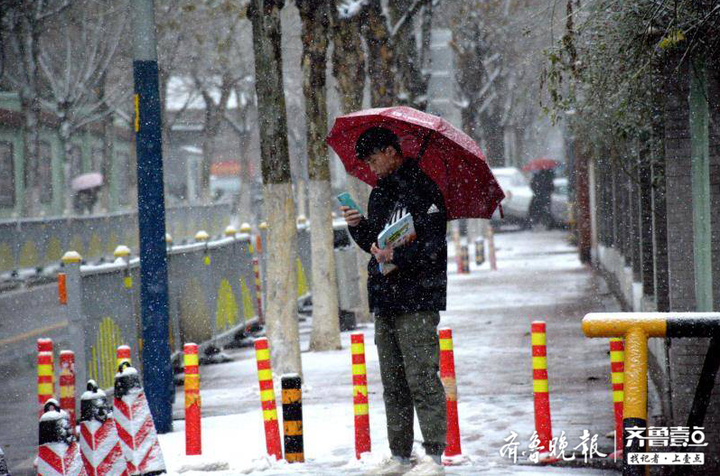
column 352, row 216
column 381, row 255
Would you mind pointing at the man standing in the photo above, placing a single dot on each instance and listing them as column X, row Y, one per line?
column 407, row 300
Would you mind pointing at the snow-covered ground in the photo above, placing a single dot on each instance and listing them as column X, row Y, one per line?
column 539, row 277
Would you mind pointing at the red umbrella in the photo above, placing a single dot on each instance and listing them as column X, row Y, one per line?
column 542, row 163
column 447, row 155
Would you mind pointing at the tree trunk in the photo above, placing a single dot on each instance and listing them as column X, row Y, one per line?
column 108, row 142
column 30, row 103
column 208, row 151
column 244, row 204
column 349, row 70
column 66, row 151
column 326, row 324
column 412, row 83
column 281, row 241
column 381, row 64
column 469, row 70
column 494, row 135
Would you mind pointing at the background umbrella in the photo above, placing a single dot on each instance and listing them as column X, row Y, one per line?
column 447, row 155
column 86, row 181
column 542, row 163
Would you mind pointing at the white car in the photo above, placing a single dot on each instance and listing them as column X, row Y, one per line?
column 517, row 194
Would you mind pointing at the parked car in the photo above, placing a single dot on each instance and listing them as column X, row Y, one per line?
column 517, row 195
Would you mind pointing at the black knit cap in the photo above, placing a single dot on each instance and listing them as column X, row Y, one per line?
column 374, row 140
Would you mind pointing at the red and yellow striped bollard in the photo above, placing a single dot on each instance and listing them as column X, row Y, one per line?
column 541, row 388
column 464, row 266
column 360, row 394
column 617, row 369
column 46, row 372
column 67, row 384
column 267, row 397
column 447, row 376
column 123, row 354
column 193, row 436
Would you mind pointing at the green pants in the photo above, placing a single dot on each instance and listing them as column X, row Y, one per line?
column 409, row 353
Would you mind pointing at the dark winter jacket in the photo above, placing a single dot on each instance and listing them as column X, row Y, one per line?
column 420, row 282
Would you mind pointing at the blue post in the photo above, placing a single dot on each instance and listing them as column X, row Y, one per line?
column 157, row 370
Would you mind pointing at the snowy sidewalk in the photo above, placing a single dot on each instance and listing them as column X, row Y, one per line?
column 538, row 277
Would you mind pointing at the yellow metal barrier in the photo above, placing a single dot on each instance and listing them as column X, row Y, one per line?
column 636, row 328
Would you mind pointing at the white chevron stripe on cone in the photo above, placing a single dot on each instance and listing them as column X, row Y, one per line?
column 138, row 438
column 60, row 459
column 100, row 447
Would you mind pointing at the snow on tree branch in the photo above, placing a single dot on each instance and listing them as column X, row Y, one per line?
column 350, row 8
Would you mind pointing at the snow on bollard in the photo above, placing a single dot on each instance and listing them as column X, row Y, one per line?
column 617, row 369
column 99, row 441
column 267, row 398
column 193, row 436
column 292, row 418
column 46, row 372
column 58, row 453
column 447, row 376
column 134, row 423
column 360, row 394
column 541, row 389
column 123, row 354
column 67, row 384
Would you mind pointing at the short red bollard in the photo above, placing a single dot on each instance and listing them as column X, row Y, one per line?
column 360, row 394
column 541, row 388
column 46, row 372
column 267, row 397
column 617, row 369
column 67, row 384
column 123, row 354
column 447, row 376
column 193, row 437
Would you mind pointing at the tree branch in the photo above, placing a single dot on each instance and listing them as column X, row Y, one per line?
column 407, row 16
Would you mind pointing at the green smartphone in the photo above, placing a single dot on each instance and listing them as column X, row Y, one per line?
column 345, row 199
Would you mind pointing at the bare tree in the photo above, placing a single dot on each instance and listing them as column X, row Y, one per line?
column 74, row 64
column 315, row 32
column 212, row 29
column 240, row 121
column 348, row 66
column 282, row 279
column 25, row 23
column 487, row 37
column 413, row 60
column 395, row 66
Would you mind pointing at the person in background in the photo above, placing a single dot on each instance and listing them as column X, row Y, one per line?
column 407, row 300
column 542, row 187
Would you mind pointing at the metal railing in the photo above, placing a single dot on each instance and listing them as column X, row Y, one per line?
column 38, row 243
column 212, row 298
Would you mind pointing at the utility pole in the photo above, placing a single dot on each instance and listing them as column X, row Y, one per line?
column 157, row 370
